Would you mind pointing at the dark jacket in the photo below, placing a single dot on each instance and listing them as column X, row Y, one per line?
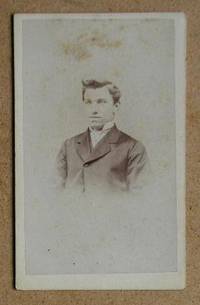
column 118, row 162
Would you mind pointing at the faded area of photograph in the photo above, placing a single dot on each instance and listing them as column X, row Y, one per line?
column 70, row 232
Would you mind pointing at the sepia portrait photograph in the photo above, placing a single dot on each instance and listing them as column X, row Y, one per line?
column 100, row 151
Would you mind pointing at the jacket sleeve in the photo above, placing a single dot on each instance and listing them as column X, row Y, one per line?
column 61, row 164
column 138, row 169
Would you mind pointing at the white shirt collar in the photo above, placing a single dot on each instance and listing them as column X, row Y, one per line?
column 97, row 135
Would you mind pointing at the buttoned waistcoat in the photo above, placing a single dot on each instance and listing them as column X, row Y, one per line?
column 118, row 162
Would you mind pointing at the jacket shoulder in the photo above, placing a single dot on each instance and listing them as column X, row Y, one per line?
column 75, row 138
column 124, row 137
column 132, row 142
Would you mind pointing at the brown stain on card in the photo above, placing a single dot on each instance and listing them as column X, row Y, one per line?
column 81, row 48
column 100, row 40
column 76, row 50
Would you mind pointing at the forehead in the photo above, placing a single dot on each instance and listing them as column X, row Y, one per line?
column 93, row 94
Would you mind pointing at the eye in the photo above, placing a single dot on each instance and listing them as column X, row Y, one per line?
column 87, row 101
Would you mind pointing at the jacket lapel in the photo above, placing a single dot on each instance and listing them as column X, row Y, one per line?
column 101, row 149
column 83, row 145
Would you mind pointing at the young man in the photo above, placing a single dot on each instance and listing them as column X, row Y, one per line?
column 102, row 157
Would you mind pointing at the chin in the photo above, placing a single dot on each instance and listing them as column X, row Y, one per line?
column 96, row 124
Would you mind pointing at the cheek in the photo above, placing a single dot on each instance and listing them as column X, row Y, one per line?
column 108, row 111
column 111, row 110
column 87, row 108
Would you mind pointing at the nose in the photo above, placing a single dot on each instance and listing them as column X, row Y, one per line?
column 94, row 112
column 94, row 109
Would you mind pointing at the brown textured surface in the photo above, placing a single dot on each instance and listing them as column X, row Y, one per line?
column 190, row 295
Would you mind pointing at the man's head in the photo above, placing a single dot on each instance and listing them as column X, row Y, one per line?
column 101, row 100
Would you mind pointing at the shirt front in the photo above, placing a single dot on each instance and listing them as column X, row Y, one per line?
column 97, row 135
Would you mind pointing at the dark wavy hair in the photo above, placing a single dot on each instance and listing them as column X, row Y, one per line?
column 94, row 84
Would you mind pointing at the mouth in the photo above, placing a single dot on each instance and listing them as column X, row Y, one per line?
column 95, row 117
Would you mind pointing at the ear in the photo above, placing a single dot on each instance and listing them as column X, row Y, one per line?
column 116, row 105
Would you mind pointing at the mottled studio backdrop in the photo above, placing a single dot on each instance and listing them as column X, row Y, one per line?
column 66, row 234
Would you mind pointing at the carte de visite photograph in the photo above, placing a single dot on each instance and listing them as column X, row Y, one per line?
column 100, row 151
